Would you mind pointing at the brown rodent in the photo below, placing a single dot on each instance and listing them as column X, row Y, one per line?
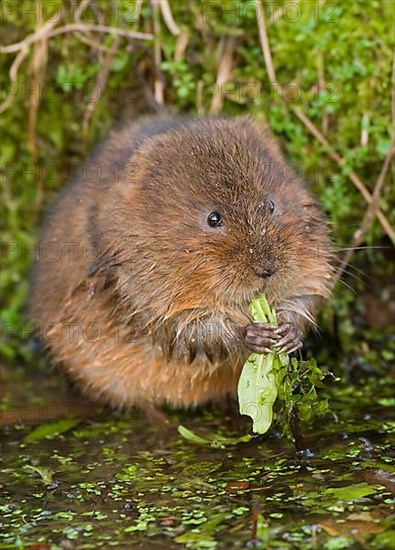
column 146, row 271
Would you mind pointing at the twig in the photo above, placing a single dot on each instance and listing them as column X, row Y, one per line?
column 393, row 104
column 265, row 42
column 365, row 129
column 142, row 67
column 276, row 16
column 341, row 161
column 254, row 521
column 321, row 86
column 199, row 97
column 138, row 5
column 85, row 37
column 37, row 70
column 21, row 56
column 182, row 43
column 296, row 430
column 159, row 80
column 311, row 127
column 168, row 17
column 101, row 82
column 224, row 74
column 72, row 27
column 369, row 214
column 175, row 30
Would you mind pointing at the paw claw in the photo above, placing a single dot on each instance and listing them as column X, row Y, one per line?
column 291, row 349
column 262, row 338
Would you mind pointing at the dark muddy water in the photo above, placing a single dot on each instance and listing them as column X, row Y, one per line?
column 75, row 476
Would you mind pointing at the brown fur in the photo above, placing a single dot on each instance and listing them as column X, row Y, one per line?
column 166, row 294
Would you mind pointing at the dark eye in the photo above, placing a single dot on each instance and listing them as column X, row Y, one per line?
column 215, row 219
column 271, row 206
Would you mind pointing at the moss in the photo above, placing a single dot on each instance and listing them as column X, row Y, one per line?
column 346, row 48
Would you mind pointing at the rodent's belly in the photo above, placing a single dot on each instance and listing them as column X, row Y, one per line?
column 111, row 366
column 134, row 374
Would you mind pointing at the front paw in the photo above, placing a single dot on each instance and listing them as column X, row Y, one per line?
column 261, row 338
column 290, row 338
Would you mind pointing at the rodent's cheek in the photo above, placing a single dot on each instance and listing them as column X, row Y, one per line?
column 213, row 232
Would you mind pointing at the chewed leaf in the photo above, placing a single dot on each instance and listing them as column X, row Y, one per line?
column 257, row 388
column 260, row 311
column 257, row 312
column 266, row 377
column 257, row 391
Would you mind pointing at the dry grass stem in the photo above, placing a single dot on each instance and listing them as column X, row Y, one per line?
column 224, row 74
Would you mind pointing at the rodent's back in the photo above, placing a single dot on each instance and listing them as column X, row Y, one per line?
column 68, row 244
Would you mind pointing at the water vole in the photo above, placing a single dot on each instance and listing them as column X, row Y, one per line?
column 148, row 262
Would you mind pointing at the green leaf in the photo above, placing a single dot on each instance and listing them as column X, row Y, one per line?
column 52, row 430
column 120, row 61
column 351, row 492
column 216, row 442
column 257, row 391
column 338, row 543
column 192, row 437
column 44, row 473
column 265, row 377
column 257, row 387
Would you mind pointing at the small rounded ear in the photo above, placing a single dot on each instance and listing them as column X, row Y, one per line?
column 100, row 269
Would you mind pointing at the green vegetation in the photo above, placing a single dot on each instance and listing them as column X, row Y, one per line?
column 266, row 377
column 257, row 390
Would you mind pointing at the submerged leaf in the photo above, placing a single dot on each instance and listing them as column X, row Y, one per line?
column 351, row 492
column 52, row 429
column 191, row 436
column 44, row 473
column 217, row 442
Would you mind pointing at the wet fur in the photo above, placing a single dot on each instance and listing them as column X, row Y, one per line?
column 168, row 294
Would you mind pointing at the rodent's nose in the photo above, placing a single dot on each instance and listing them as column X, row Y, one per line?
column 264, row 271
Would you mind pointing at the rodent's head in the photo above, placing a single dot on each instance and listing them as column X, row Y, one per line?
column 209, row 213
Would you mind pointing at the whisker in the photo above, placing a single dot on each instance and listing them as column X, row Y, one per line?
column 356, row 277
column 359, row 271
column 367, row 247
column 348, row 286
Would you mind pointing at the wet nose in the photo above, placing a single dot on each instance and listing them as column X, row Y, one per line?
column 264, row 271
